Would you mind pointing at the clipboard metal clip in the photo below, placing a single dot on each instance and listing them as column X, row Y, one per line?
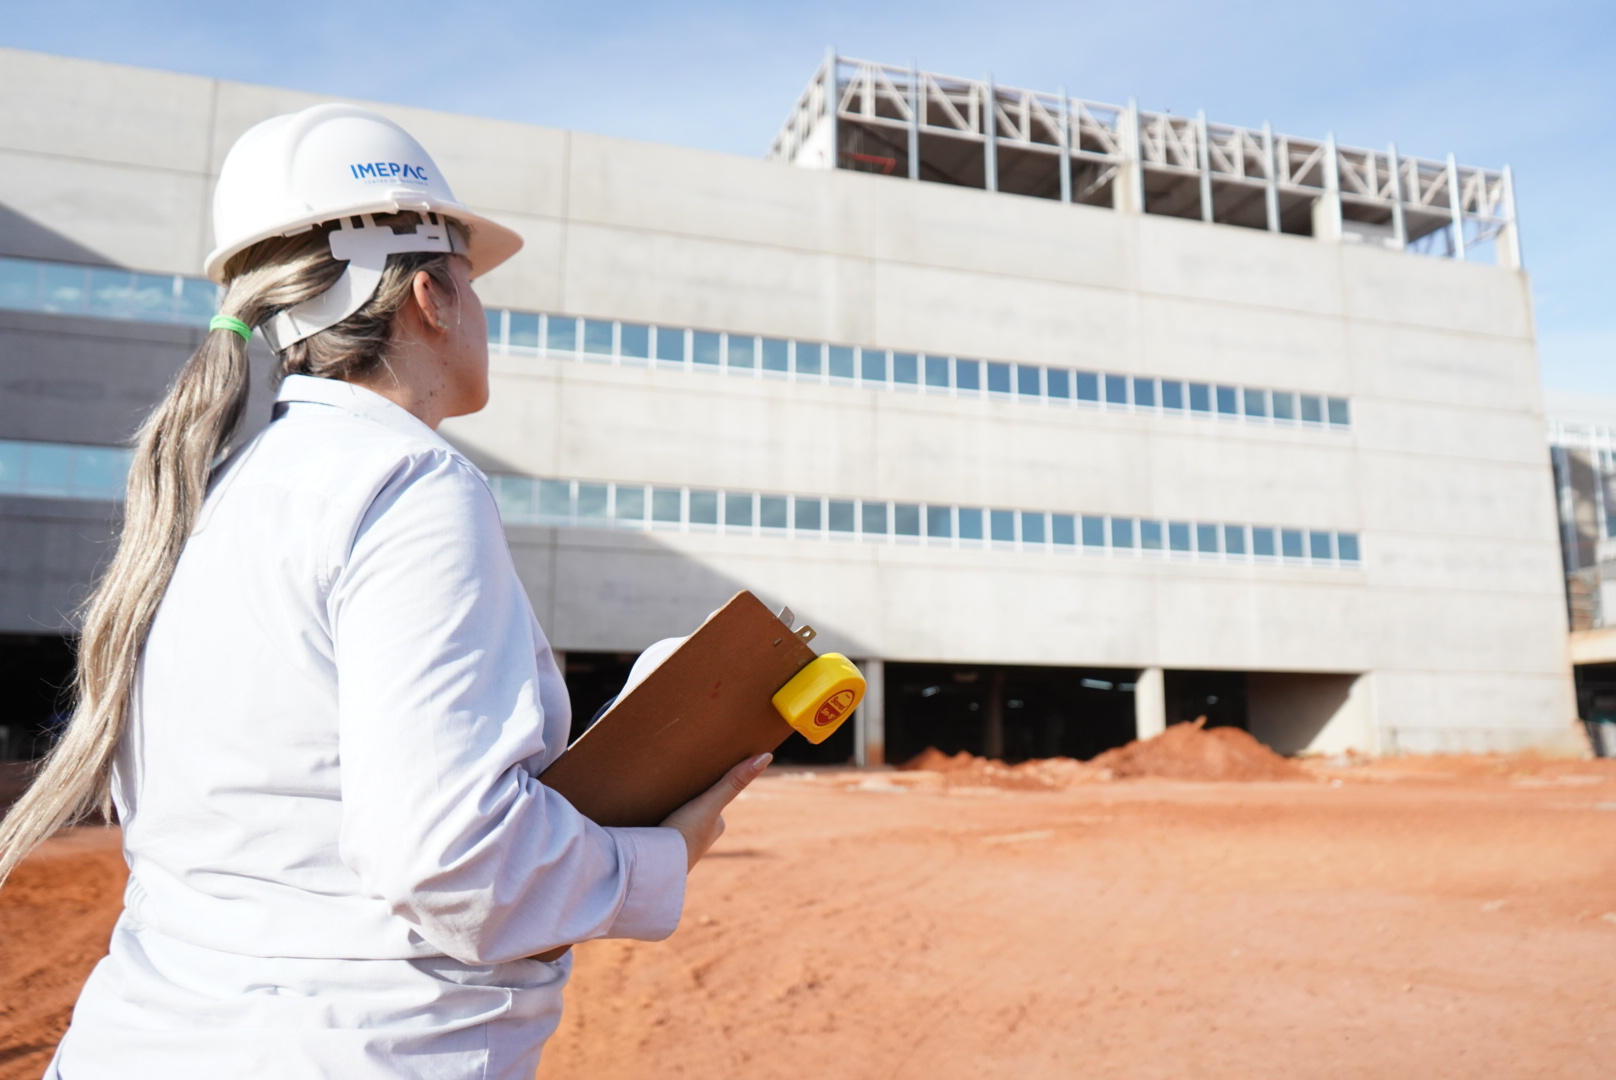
column 807, row 634
column 788, row 618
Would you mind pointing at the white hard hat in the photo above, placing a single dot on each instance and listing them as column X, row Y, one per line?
column 340, row 162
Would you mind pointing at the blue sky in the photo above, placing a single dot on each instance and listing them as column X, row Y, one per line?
column 1528, row 84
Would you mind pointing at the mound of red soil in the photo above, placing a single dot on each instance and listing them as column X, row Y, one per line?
column 1194, row 752
column 1183, row 752
column 967, row 770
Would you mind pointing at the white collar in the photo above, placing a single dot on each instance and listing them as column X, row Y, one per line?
column 360, row 402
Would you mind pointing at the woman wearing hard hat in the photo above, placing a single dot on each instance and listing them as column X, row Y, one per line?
column 311, row 683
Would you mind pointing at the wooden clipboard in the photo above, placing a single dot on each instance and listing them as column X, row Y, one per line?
column 701, row 712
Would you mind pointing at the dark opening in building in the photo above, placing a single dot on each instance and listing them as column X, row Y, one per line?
column 593, row 679
column 1596, row 705
column 1008, row 713
column 1220, row 696
column 36, row 676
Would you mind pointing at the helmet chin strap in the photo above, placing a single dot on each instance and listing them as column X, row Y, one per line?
column 365, row 249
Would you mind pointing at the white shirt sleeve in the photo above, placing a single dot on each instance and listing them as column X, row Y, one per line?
column 439, row 722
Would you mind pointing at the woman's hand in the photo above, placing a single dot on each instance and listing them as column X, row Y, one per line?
column 701, row 820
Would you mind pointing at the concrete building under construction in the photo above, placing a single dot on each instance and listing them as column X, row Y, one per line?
column 1069, row 420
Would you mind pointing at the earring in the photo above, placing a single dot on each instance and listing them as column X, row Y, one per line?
column 442, row 325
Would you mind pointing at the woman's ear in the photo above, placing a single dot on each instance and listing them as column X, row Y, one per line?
column 433, row 304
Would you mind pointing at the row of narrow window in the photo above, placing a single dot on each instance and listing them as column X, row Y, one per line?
column 103, row 292
column 63, row 470
column 613, row 341
column 528, row 501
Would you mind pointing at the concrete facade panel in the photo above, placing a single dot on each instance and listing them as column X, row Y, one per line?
column 108, row 113
column 133, row 216
column 1272, row 348
column 1468, row 298
column 1444, row 369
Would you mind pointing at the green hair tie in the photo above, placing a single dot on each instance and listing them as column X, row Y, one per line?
column 231, row 323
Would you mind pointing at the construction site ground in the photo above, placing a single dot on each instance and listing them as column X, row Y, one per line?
column 1450, row 917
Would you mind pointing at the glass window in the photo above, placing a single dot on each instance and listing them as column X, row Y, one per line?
column 1290, row 543
column 592, row 502
column 939, row 521
column 776, row 355
column 514, row 494
column 738, row 509
column 1178, row 535
column 1003, row 525
column 665, row 505
column 841, row 362
column 1200, row 397
column 1094, row 532
column 998, row 378
column 496, row 322
column 937, row 371
column 1346, row 546
column 704, row 347
column 1206, row 538
column 62, row 287
column 48, row 469
column 1228, row 402
column 742, row 352
column 634, row 339
column 704, row 508
column 1122, row 533
column 1318, row 546
column 1032, row 527
column 810, row 358
column 1027, row 381
column 1262, row 542
column 154, row 297
column 19, row 284
column 1339, row 413
column 968, row 374
column 555, row 499
column 1172, row 394
column 1256, row 402
column 1059, row 382
column 809, row 515
column 873, row 365
column 598, row 337
column 670, row 345
column 1063, row 529
column 199, row 299
column 1116, row 390
column 1144, row 393
column 874, row 518
column 1088, row 386
column 101, row 472
column 906, row 519
column 524, row 331
column 772, row 511
column 905, row 368
column 1150, row 535
column 970, row 523
column 1312, row 409
column 1234, row 539
column 560, row 332
column 840, row 515
column 630, row 504
column 1284, row 405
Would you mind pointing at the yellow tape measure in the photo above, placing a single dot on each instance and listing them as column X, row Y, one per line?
column 820, row 696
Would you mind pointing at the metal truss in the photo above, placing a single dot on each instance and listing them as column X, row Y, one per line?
column 971, row 132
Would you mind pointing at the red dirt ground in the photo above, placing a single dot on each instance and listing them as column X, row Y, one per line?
column 1450, row 917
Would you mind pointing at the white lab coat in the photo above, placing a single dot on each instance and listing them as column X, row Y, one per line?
column 338, row 852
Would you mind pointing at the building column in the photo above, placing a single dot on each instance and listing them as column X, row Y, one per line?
column 870, row 718
column 993, row 736
column 1327, row 207
column 1149, row 704
column 1128, row 187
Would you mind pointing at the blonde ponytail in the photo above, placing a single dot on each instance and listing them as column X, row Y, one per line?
column 176, row 451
